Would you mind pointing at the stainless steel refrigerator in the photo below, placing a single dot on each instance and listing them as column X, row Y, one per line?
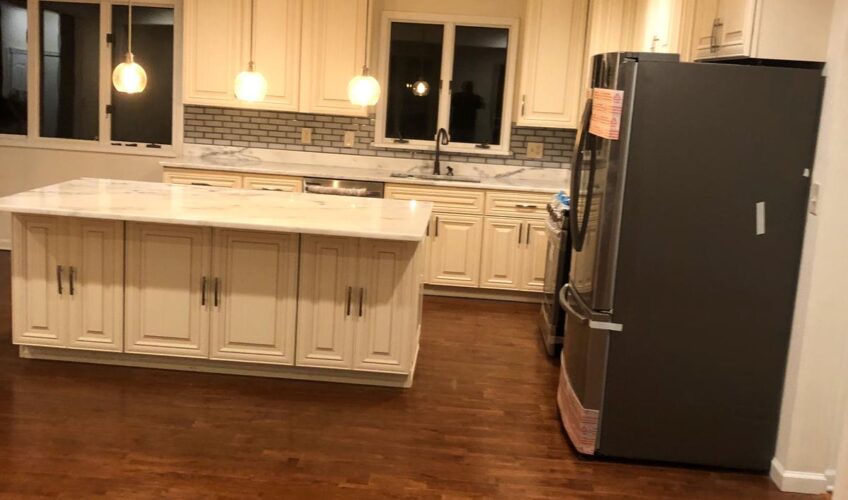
column 686, row 242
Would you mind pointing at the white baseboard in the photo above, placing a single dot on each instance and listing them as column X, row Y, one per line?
column 793, row 481
column 5, row 244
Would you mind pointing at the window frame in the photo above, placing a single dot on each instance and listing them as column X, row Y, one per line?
column 104, row 144
column 443, row 121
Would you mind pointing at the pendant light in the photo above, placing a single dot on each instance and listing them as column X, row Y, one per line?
column 128, row 77
column 250, row 85
column 364, row 90
column 420, row 88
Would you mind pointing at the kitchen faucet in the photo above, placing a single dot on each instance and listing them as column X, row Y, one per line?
column 442, row 139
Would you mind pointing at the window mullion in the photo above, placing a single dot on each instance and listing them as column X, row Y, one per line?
column 33, row 70
column 448, row 40
column 105, row 80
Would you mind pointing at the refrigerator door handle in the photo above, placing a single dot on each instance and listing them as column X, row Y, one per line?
column 596, row 321
column 563, row 301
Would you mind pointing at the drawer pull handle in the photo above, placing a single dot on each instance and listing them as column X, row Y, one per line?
column 201, row 184
column 526, row 205
column 270, row 189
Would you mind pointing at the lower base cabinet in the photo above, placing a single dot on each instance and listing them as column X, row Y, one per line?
column 359, row 304
column 454, row 253
column 514, row 254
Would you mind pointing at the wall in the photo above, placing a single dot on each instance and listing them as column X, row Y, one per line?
column 817, row 373
column 27, row 168
column 279, row 130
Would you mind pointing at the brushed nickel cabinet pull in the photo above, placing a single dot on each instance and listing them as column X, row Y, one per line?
column 59, row 278
column 523, row 103
column 347, row 307
column 527, row 239
column 71, row 274
column 520, row 230
column 217, row 292
column 428, row 229
column 437, row 226
column 525, row 205
column 269, row 189
column 203, row 291
column 201, row 184
column 361, row 299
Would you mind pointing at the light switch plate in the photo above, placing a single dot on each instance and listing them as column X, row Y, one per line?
column 306, row 135
column 535, row 150
column 349, row 139
column 814, row 198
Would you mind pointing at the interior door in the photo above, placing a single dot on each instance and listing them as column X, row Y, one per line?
column 455, row 250
column 167, row 289
column 325, row 311
column 38, row 282
column 95, row 284
column 255, row 310
column 385, row 306
column 534, row 259
column 503, row 247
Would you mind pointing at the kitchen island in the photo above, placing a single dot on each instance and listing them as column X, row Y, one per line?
column 221, row 280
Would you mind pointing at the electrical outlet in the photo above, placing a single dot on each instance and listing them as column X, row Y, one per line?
column 535, row 150
column 306, row 135
column 815, row 198
column 349, row 139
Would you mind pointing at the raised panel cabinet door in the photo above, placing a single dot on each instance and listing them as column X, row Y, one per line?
column 325, row 315
column 333, row 53
column 255, row 312
column 39, row 286
column 455, row 250
column 736, row 18
column 386, row 302
column 553, row 63
column 212, row 48
column 277, row 50
column 168, row 290
column 503, row 242
column 95, row 284
column 535, row 256
column 703, row 28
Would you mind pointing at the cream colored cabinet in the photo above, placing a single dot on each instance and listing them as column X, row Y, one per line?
column 67, row 282
column 281, row 183
column 201, row 178
column 167, row 289
column 762, row 29
column 514, row 254
column 333, row 53
column 358, row 304
column 552, row 63
column 254, row 296
column 216, row 47
column 455, row 250
column 663, row 26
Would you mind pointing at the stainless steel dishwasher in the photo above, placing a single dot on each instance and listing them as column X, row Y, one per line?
column 343, row 187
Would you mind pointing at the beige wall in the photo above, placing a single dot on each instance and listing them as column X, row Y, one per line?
column 840, row 492
column 817, row 373
column 26, row 168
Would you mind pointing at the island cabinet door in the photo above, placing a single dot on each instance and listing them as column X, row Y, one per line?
column 386, row 306
column 39, row 288
column 254, row 314
column 95, row 284
column 169, row 291
column 455, row 250
column 326, row 317
column 503, row 240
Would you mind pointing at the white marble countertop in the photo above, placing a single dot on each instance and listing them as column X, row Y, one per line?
column 225, row 207
column 494, row 177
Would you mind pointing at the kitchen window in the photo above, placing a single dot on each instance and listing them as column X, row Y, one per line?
column 57, row 85
column 446, row 73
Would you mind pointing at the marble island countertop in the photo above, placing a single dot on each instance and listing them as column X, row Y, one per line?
column 227, row 208
column 494, row 177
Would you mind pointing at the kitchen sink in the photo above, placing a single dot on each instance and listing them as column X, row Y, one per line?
column 433, row 177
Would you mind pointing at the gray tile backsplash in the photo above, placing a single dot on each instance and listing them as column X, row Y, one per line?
column 281, row 130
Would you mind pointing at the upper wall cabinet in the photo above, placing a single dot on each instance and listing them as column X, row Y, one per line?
column 663, row 26
column 762, row 29
column 217, row 48
column 552, row 65
column 333, row 53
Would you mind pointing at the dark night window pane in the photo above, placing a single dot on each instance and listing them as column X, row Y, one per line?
column 70, row 70
column 13, row 67
column 415, row 56
column 145, row 117
column 479, row 71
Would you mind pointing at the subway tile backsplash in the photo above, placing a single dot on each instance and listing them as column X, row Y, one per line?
column 282, row 130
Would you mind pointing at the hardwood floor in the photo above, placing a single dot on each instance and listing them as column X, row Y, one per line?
column 480, row 421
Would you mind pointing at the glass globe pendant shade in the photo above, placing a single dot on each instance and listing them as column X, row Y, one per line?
column 128, row 77
column 420, row 88
column 251, row 85
column 363, row 90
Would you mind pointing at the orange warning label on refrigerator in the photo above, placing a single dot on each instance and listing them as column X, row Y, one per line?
column 606, row 113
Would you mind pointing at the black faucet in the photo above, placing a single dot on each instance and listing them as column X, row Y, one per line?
column 442, row 138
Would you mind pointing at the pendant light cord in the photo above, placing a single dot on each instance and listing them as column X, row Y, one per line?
column 129, row 22
column 252, row 63
column 367, row 33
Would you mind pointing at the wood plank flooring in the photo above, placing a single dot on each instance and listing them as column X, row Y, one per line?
column 479, row 422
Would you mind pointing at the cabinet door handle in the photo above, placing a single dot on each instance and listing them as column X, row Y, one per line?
column 203, row 291
column 527, row 239
column 437, row 226
column 71, row 275
column 59, row 278
column 520, row 231
column 347, row 307
column 361, row 300
column 217, row 290
column 523, row 103
column 428, row 229
column 525, row 205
